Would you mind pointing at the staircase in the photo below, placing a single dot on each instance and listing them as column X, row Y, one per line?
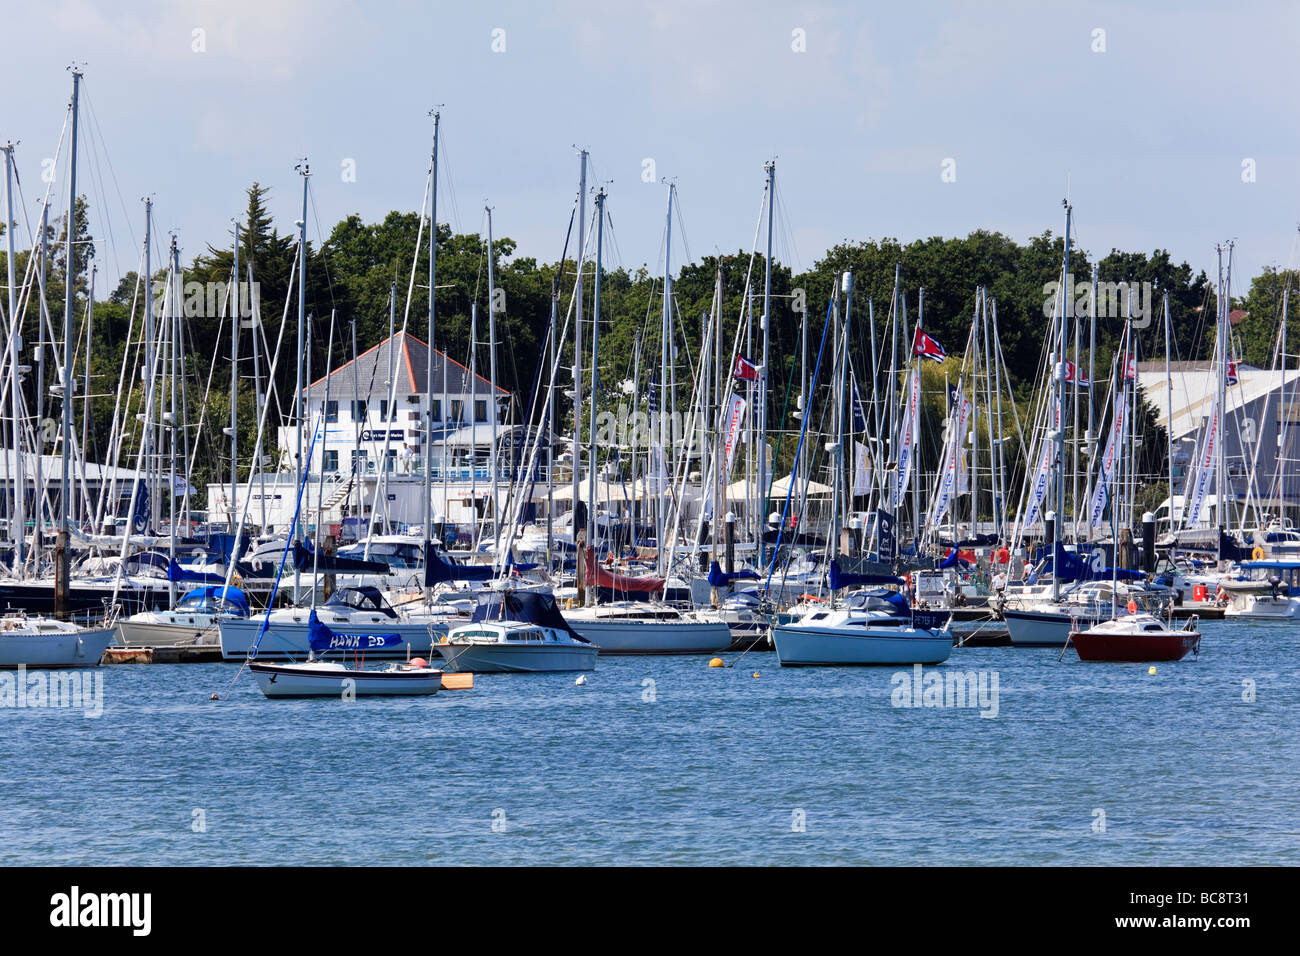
column 342, row 488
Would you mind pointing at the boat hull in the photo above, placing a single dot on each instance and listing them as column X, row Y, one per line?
column 1044, row 628
column 288, row 681
column 1135, row 648
column 55, row 649
column 798, row 646
column 658, row 637
column 526, row 659
column 140, row 634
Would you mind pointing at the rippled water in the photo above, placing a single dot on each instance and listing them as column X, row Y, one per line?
column 664, row 760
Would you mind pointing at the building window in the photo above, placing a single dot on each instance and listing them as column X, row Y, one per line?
column 359, row 410
column 384, row 414
column 480, row 410
column 435, row 413
column 390, row 460
column 331, row 412
column 457, row 410
column 331, row 461
column 358, row 461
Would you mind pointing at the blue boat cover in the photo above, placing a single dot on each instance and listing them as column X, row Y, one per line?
column 321, row 638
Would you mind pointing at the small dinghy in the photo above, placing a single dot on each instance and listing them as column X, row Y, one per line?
column 1137, row 638
column 316, row 677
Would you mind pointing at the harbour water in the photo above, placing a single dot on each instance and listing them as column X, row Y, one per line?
column 667, row 761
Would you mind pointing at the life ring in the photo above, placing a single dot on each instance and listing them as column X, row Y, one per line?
column 1258, row 553
column 1132, row 606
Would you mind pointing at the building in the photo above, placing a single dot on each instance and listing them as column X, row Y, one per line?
column 370, row 452
column 1261, row 427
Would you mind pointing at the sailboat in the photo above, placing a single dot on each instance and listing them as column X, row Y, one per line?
column 1137, row 637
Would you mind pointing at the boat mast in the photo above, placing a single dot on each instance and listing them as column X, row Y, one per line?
column 18, row 525
column 595, row 352
column 660, row 467
column 305, row 172
column 760, row 419
column 69, row 293
column 428, row 388
column 172, row 327
column 1058, row 385
column 492, row 375
column 235, row 317
column 577, row 365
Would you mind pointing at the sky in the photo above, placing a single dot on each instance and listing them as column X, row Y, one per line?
column 1170, row 125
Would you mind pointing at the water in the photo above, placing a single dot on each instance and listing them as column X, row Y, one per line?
column 704, row 766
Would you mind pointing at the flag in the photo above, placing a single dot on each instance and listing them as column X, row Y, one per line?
column 1075, row 376
column 735, row 416
column 922, row 344
column 1232, row 371
column 859, row 414
column 1130, row 369
column 861, row 469
column 652, row 394
column 745, row 369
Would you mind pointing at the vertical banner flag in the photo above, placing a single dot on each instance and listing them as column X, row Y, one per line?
column 907, row 438
column 1198, row 484
column 1114, row 447
column 954, row 460
column 735, row 416
column 861, row 469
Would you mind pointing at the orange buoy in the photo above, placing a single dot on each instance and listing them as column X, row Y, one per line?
column 418, row 662
column 1132, row 606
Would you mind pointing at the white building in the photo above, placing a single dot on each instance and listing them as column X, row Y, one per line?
column 369, row 417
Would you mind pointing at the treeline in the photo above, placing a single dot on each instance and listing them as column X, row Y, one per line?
column 351, row 275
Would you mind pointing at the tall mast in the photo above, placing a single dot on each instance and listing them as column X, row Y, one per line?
column 305, row 172
column 18, row 527
column 173, row 327
column 666, row 345
column 595, row 353
column 1058, row 385
column 492, row 375
column 433, row 296
column 577, row 354
column 760, row 495
column 235, row 318
column 69, row 294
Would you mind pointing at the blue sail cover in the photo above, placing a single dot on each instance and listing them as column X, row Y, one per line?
column 321, row 638
column 720, row 579
column 1069, row 566
column 437, row 569
column 176, row 573
column 953, row 560
column 209, row 594
column 306, row 559
column 840, row 579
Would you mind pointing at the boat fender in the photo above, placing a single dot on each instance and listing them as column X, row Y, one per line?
column 1132, row 606
column 418, row 662
column 444, row 639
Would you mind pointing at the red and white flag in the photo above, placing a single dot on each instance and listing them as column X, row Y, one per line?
column 1073, row 375
column 922, row 344
column 745, row 369
column 1131, row 369
column 1232, row 371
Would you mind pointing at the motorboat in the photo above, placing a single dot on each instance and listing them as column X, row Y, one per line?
column 515, row 647
column 1137, row 638
column 1265, row 591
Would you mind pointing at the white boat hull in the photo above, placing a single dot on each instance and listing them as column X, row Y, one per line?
column 1263, row 607
column 140, row 634
column 804, row 646
column 1045, row 628
column 287, row 681
column 506, row 658
column 55, row 649
column 654, row 637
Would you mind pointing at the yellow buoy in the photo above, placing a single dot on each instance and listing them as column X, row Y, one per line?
column 755, row 673
column 1151, row 670
column 717, row 662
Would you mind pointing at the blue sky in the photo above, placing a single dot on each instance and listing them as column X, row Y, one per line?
column 1151, row 134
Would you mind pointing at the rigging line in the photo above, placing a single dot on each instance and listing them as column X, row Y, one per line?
column 94, row 144
column 321, row 251
column 94, row 118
